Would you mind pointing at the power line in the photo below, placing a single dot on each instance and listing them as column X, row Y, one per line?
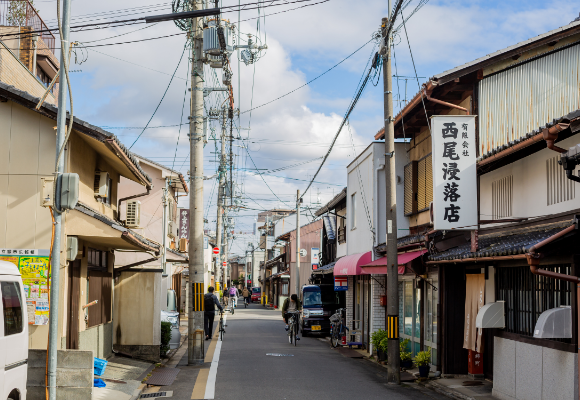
column 162, row 97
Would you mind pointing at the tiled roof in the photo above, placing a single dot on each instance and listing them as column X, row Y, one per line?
column 505, row 243
column 274, row 260
column 325, row 269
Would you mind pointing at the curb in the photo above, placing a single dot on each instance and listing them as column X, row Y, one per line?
column 442, row 389
column 137, row 392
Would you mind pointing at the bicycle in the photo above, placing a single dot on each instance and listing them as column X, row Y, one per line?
column 222, row 326
column 336, row 327
column 233, row 303
column 293, row 327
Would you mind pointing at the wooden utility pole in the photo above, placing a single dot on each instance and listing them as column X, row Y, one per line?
column 195, row 332
column 393, row 371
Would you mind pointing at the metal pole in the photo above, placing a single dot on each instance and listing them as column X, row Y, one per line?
column 56, row 248
column 393, row 372
column 253, row 275
column 164, row 231
column 246, row 270
column 195, row 342
column 221, row 187
column 297, row 278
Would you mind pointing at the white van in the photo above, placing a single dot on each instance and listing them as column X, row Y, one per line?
column 13, row 334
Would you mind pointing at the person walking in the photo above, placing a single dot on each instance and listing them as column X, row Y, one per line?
column 210, row 300
column 226, row 295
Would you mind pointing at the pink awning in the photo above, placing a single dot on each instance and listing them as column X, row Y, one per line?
column 351, row 265
column 380, row 266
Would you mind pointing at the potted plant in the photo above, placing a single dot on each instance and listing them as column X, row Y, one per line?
column 377, row 338
column 383, row 346
column 406, row 361
column 423, row 361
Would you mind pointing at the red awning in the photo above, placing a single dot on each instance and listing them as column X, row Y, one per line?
column 380, row 266
column 351, row 265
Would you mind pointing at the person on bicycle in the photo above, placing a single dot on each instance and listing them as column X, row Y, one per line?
column 234, row 293
column 210, row 300
column 246, row 295
column 290, row 304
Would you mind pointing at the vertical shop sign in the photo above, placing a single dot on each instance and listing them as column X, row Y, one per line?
column 454, row 172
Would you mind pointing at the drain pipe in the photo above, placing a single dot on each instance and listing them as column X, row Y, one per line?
column 551, row 135
column 534, row 263
column 130, row 198
column 428, row 96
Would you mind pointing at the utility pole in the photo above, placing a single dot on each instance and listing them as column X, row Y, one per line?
column 221, row 188
column 55, row 256
column 393, row 371
column 195, row 332
column 297, row 278
column 164, row 199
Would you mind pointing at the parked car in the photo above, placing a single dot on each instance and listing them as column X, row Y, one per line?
column 319, row 302
column 13, row 334
column 256, row 294
column 173, row 318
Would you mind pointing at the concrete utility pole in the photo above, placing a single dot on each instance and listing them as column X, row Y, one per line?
column 393, row 372
column 55, row 256
column 297, row 278
column 195, row 332
column 164, row 199
column 220, row 200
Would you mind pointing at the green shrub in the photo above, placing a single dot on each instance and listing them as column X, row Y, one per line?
column 165, row 337
column 384, row 345
column 404, row 354
column 377, row 337
column 423, row 358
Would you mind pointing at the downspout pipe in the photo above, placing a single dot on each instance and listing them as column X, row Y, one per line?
column 130, row 198
column 551, row 135
column 445, row 103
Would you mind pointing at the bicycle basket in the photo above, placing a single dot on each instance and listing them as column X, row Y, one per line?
column 335, row 318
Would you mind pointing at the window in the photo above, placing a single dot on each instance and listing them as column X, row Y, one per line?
column 560, row 188
column 502, row 193
column 285, row 286
column 12, row 305
column 353, row 211
column 527, row 295
column 97, row 259
column 418, row 185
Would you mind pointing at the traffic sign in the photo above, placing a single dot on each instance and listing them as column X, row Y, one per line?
column 216, row 250
column 225, row 263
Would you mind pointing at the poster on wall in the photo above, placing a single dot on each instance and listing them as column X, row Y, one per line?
column 33, row 266
column 454, row 172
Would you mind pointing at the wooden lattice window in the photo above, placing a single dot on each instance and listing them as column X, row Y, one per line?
column 411, row 188
column 424, row 183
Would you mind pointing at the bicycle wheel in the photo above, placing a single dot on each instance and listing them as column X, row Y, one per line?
column 221, row 330
column 290, row 334
column 335, row 336
column 295, row 333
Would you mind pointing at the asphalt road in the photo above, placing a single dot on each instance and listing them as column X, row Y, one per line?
column 313, row 371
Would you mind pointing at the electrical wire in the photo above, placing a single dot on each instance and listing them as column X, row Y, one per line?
column 181, row 118
column 162, row 97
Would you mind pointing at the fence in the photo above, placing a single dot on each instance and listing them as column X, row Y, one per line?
column 22, row 13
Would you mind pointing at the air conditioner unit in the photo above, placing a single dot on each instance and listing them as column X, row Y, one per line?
column 101, row 184
column 172, row 231
column 133, row 219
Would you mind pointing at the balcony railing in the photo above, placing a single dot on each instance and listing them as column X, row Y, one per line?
column 23, row 14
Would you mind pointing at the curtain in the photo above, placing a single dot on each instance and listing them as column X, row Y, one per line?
column 474, row 300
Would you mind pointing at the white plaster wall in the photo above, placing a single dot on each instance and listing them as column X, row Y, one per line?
column 529, row 185
column 524, row 371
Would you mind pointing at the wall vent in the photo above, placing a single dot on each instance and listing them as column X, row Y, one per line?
column 502, row 193
column 559, row 188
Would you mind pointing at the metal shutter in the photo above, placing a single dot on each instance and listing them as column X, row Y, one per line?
column 425, row 183
column 410, row 188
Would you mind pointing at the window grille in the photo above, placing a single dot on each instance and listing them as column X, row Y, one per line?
column 424, row 183
column 527, row 296
column 410, row 188
column 502, row 193
column 560, row 188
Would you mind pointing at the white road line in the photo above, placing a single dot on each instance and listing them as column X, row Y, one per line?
column 211, row 379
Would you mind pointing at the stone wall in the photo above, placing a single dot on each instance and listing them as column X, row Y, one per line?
column 524, row 371
column 99, row 339
column 74, row 374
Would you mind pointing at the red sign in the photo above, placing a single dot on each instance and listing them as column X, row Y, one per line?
column 216, row 250
column 225, row 263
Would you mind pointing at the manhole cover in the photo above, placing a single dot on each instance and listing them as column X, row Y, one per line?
column 156, row 395
column 279, row 355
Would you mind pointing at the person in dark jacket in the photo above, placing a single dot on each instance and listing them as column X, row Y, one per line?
column 210, row 300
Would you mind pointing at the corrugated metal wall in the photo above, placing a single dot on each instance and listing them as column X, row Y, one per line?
column 517, row 101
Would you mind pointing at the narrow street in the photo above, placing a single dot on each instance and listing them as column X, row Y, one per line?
column 309, row 370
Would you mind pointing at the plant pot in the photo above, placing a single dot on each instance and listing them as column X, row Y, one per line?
column 407, row 364
column 382, row 355
column 424, row 371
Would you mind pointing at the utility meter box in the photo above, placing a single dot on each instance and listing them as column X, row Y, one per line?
column 47, row 191
column 72, row 248
column 69, row 191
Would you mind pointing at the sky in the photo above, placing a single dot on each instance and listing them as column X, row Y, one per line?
column 119, row 86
